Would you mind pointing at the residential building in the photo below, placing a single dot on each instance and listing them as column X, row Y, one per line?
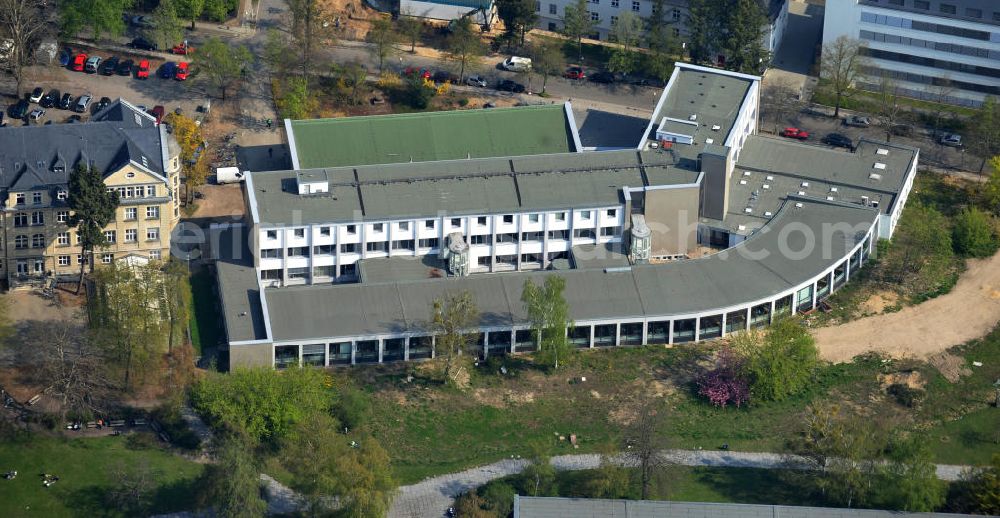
column 606, row 12
column 939, row 50
column 139, row 160
column 330, row 268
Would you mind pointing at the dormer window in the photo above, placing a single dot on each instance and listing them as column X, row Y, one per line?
column 20, row 198
column 62, row 194
column 36, row 198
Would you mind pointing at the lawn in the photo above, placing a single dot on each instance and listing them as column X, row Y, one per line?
column 84, row 468
column 205, row 318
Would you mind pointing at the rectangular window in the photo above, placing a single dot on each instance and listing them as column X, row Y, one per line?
column 560, row 216
column 38, row 218
column 403, row 244
column 614, row 20
column 20, row 198
column 531, row 236
column 585, row 215
column 62, row 216
column 324, row 231
column 63, row 260
column 21, row 219
column 38, row 241
column 481, row 221
column 107, row 258
column 428, row 243
column 349, row 248
column 62, row 238
column 270, row 253
column 352, row 229
column 481, row 240
column 298, row 251
column 507, row 238
column 595, row 17
column 131, row 235
column 404, row 226
column 553, row 9
column 154, row 255
column 921, row 4
column 153, row 234
column 456, row 222
column 61, row 194
column 152, row 212
column 298, row 273
column 299, row 232
column 270, row 275
column 429, row 224
column 558, row 234
column 36, row 198
column 130, row 213
column 323, row 250
column 595, row 2
column 947, row 9
column 614, row 3
column 584, row 233
column 973, row 13
column 508, row 218
column 676, row 15
column 609, row 231
column 532, row 218
column 612, row 213
column 538, row 7
column 324, row 271
column 109, row 236
column 483, row 261
column 272, row 234
column 895, row 2
column 377, row 246
column 80, row 259
column 21, row 242
column 378, row 228
column 635, row 6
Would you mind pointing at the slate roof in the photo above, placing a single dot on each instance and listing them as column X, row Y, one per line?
column 29, row 155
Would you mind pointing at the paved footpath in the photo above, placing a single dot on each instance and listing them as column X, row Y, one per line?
column 433, row 496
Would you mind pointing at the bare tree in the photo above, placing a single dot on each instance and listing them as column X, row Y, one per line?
column 383, row 38
column 780, row 101
column 132, row 486
column 60, row 357
column 452, row 318
column 22, row 25
column 306, row 28
column 842, row 64
column 940, row 91
column 890, row 113
column 645, row 442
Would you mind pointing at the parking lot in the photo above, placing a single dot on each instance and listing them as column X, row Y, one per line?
column 169, row 93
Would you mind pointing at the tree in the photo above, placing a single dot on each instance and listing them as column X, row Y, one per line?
column 61, row 358
column 974, row 233
column 187, row 133
column 222, row 64
column 419, row 91
column 920, row 255
column 539, row 475
column 499, row 498
column 463, row 46
column 177, row 293
column 842, row 65
column 743, row 42
column 645, row 441
column 410, row 29
column 940, row 91
column 278, row 53
column 218, row 10
column 518, row 17
column 611, row 479
column 577, row 23
column 231, row 486
column 985, row 141
column 627, row 32
column 548, row 313
column 663, row 46
column 6, row 328
column 262, row 403
column 132, row 487
column 22, row 25
column 326, row 469
column 979, row 490
column 914, row 485
column 452, row 318
column 779, row 362
column 991, row 191
column 93, row 208
column 190, row 9
column 548, row 59
column 306, row 25
column 383, row 37
column 703, row 24
column 780, row 101
column 351, row 79
column 295, row 101
column 100, row 16
column 890, row 112
column 167, row 28
column 726, row 383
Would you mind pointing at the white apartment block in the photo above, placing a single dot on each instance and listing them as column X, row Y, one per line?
column 945, row 50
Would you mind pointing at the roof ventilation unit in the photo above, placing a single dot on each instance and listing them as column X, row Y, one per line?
column 709, row 141
column 716, row 127
column 802, row 193
column 693, row 117
column 875, row 176
column 882, row 151
column 746, row 173
column 748, row 210
column 833, row 189
column 770, row 178
column 743, row 182
column 768, row 214
column 766, row 186
column 879, row 166
column 829, row 198
column 798, row 205
column 741, row 228
column 805, row 184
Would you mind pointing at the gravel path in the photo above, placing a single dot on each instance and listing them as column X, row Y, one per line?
column 431, row 497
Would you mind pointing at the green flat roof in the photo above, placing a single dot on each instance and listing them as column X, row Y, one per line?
column 422, row 137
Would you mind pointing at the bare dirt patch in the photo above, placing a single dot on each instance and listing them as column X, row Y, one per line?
column 220, row 201
column 912, row 379
column 950, row 366
column 29, row 305
column 878, row 302
column 502, row 399
column 968, row 312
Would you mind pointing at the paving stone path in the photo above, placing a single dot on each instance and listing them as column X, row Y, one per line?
column 433, row 496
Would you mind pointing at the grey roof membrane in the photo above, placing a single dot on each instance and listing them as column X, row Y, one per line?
column 37, row 157
column 238, row 287
column 753, row 270
column 550, row 507
column 714, row 98
column 461, row 187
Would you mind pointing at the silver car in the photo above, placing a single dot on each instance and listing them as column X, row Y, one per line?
column 951, row 140
column 855, row 120
column 476, row 81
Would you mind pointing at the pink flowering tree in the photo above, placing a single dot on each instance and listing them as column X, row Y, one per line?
column 725, row 384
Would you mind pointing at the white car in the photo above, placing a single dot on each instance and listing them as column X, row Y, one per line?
column 516, row 64
column 951, row 140
column 475, row 81
column 36, row 114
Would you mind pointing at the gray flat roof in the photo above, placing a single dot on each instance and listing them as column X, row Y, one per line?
column 389, row 269
column 237, row 282
column 714, row 97
column 460, row 187
column 553, row 507
column 754, row 269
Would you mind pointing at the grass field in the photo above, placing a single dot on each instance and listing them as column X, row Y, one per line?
column 84, row 468
column 205, row 318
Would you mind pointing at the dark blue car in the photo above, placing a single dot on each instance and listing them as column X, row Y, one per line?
column 65, row 55
column 168, row 70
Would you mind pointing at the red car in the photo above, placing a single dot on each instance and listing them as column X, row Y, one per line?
column 182, row 49
column 143, row 71
column 79, row 61
column 574, row 73
column 795, row 133
column 182, row 71
column 157, row 112
column 422, row 72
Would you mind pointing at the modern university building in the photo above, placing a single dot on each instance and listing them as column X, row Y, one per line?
column 704, row 228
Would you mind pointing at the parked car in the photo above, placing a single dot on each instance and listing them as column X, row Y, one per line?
column 19, row 110
column 951, row 140
column 181, row 74
column 50, row 99
column 157, row 112
column 74, row 118
column 108, row 66
column 93, row 63
column 143, row 71
column 65, row 56
column 182, row 48
column 79, row 61
column 839, row 140
column 516, row 64
column 36, row 95
column 795, row 133
column 143, row 21
column 66, row 102
column 507, row 85
column 422, row 72
column 125, row 68
column 142, row 44
column 36, row 114
column 168, row 70
column 83, row 103
column 476, row 81
column 603, row 77
column 443, row 76
column 574, row 72
column 102, row 104
column 858, row 121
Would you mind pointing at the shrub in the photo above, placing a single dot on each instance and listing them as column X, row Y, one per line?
column 780, row 362
column 725, row 384
column 463, row 102
column 905, row 395
column 499, row 498
column 351, row 407
column 974, row 234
